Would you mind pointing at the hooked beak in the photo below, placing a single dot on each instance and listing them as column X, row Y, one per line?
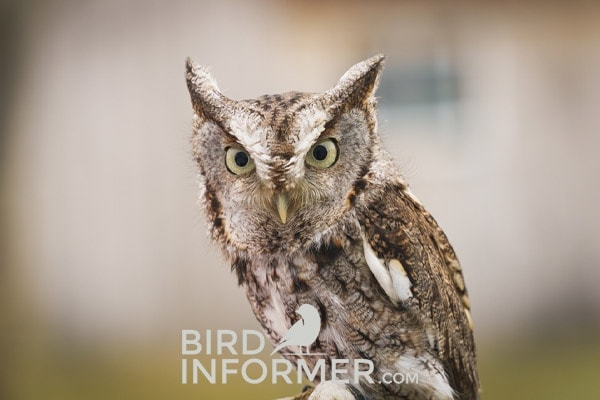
column 282, row 202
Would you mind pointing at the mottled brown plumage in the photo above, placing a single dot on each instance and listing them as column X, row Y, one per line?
column 309, row 209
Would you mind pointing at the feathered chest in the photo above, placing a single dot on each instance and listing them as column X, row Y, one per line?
column 336, row 278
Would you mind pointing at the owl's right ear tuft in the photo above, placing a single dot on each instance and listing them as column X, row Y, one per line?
column 211, row 105
column 207, row 99
column 198, row 77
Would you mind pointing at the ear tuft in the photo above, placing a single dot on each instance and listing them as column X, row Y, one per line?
column 199, row 78
column 357, row 86
column 204, row 91
column 211, row 105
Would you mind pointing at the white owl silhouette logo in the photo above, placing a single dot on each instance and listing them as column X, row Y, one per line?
column 304, row 332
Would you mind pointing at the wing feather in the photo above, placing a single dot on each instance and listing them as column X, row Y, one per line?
column 408, row 242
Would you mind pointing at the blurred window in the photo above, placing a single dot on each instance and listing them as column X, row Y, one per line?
column 427, row 93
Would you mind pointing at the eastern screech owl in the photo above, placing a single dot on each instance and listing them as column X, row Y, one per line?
column 309, row 209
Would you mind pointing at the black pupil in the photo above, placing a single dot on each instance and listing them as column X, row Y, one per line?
column 241, row 159
column 320, row 152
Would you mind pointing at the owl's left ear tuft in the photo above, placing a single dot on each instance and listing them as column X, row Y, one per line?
column 358, row 85
column 207, row 99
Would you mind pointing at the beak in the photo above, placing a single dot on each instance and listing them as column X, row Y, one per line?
column 282, row 201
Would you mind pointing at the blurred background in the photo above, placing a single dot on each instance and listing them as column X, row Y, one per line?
column 491, row 109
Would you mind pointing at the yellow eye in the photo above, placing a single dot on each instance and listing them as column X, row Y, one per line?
column 323, row 154
column 237, row 161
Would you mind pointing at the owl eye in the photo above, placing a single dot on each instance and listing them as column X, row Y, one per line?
column 237, row 161
column 323, row 154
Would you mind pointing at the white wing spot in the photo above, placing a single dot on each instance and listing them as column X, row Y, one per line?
column 381, row 272
column 400, row 280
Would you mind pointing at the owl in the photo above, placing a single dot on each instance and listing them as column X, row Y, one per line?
column 308, row 208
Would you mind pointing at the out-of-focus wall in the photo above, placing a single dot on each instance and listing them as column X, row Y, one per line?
column 490, row 109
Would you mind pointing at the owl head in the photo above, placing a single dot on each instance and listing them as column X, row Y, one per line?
column 278, row 172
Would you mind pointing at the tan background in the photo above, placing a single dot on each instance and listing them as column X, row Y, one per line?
column 492, row 110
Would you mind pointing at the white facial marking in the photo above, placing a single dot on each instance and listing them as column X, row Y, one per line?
column 312, row 124
column 252, row 136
